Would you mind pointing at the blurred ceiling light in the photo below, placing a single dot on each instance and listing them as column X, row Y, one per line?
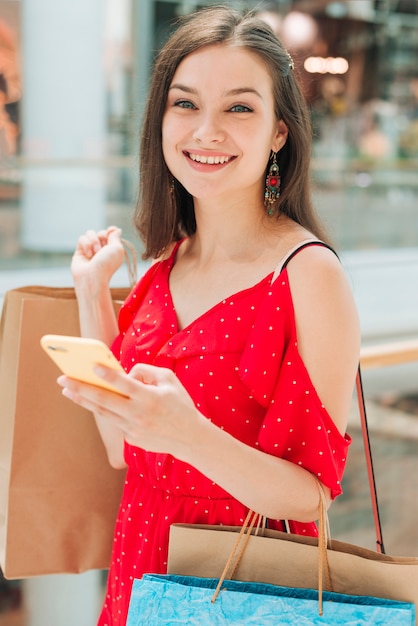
column 355, row 9
column 274, row 20
column 329, row 65
column 362, row 9
column 299, row 30
column 336, row 10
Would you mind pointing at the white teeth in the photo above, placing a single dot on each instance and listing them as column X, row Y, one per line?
column 211, row 160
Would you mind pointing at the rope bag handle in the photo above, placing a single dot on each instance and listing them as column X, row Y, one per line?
column 324, row 535
column 369, row 462
column 360, row 400
column 130, row 260
column 251, row 526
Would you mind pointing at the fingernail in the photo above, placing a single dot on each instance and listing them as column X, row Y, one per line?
column 67, row 393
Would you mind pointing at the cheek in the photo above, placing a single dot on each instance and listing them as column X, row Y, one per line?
column 171, row 131
column 167, row 140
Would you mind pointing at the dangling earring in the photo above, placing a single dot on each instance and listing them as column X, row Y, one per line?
column 172, row 186
column 272, row 186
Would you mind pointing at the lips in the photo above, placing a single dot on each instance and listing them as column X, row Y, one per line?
column 213, row 159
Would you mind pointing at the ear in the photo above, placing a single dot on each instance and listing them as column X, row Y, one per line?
column 280, row 137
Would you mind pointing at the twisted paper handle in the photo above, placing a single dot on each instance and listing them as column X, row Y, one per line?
column 131, row 261
column 237, row 551
column 324, row 541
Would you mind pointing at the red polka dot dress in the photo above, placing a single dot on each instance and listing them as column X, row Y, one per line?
column 240, row 363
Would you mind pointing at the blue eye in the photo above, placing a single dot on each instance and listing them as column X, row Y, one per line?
column 184, row 104
column 240, row 108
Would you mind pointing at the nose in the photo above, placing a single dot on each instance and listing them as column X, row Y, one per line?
column 209, row 128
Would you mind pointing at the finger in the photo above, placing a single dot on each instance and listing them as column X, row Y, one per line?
column 102, row 237
column 92, row 396
column 114, row 239
column 114, row 233
column 89, row 243
column 124, row 383
column 150, row 374
column 103, row 409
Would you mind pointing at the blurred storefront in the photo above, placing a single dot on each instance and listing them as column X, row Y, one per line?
column 71, row 101
column 73, row 81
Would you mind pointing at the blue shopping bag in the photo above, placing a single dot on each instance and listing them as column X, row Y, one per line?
column 168, row 600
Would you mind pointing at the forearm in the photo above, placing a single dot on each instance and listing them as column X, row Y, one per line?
column 96, row 312
column 97, row 257
column 98, row 320
column 266, row 484
column 160, row 416
column 113, row 441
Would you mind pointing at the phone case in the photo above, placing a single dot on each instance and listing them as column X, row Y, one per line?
column 77, row 357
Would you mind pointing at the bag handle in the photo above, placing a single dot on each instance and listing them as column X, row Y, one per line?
column 360, row 399
column 369, row 462
column 361, row 404
column 324, row 535
column 131, row 261
column 247, row 529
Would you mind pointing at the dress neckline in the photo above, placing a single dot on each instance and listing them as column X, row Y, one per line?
column 270, row 278
column 169, row 264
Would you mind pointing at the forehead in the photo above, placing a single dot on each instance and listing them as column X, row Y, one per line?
column 224, row 63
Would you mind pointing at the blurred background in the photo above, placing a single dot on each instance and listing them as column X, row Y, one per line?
column 73, row 82
column 73, row 79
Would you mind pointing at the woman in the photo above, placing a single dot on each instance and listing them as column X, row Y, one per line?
column 240, row 356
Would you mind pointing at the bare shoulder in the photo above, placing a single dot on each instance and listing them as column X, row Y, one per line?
column 320, row 288
column 315, row 267
column 327, row 326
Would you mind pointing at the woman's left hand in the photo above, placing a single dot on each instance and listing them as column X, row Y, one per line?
column 155, row 411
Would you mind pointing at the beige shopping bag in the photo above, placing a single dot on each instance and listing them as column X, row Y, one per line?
column 291, row 561
column 58, row 494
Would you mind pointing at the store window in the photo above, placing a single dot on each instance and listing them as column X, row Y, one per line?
column 357, row 61
column 66, row 126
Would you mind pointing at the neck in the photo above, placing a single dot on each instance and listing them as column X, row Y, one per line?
column 241, row 233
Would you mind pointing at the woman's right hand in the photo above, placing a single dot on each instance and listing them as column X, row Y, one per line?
column 97, row 257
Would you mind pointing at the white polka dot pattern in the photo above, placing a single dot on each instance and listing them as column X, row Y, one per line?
column 240, row 363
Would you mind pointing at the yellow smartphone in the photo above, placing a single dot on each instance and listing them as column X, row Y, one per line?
column 77, row 356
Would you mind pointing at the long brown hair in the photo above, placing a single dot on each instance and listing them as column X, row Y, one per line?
column 165, row 210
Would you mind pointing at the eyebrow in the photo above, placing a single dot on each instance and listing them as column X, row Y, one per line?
column 232, row 92
column 240, row 90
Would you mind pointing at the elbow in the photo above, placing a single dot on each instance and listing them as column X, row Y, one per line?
column 116, row 461
column 117, row 464
column 324, row 500
column 306, row 509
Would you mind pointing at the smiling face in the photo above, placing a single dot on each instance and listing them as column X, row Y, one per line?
column 219, row 124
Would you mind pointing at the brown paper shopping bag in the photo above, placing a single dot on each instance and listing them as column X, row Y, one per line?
column 58, row 493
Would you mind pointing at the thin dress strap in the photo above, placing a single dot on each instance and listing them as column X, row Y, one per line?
column 294, row 251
